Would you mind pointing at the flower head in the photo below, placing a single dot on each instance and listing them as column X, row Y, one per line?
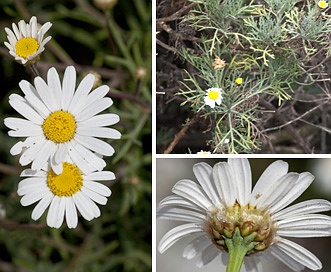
column 239, row 80
column 202, row 152
column 61, row 120
column 64, row 193
column 26, row 41
column 213, row 95
column 223, row 211
column 219, row 63
column 322, row 4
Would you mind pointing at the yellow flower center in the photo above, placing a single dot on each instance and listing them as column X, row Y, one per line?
column 213, row 95
column 222, row 222
column 239, row 80
column 69, row 182
column 26, row 47
column 59, row 126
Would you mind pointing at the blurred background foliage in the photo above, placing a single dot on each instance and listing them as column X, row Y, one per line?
column 116, row 45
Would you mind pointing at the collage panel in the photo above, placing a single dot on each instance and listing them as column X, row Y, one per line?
column 207, row 207
column 76, row 133
column 243, row 77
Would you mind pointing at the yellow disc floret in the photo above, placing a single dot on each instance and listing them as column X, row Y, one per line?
column 69, row 182
column 59, row 126
column 213, row 95
column 26, row 47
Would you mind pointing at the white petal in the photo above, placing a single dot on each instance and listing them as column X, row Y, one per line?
column 101, row 120
column 29, row 130
column 54, row 84
column 44, row 154
column 83, row 206
column 100, row 199
column 61, row 153
column 34, row 173
column 224, row 183
column 299, row 253
column 21, row 125
column 80, row 97
column 56, row 167
column 277, row 191
column 34, row 29
column 180, row 215
column 177, row 233
column 30, row 153
column 193, row 192
column 95, row 145
column 25, row 110
column 79, row 160
column 16, row 31
column 18, row 147
column 45, row 27
column 285, row 258
column 95, row 162
column 71, row 213
column 175, row 200
column 94, row 208
column 97, row 107
column 305, row 207
column 303, row 182
column 45, row 94
column 30, row 185
column 253, row 264
column 97, row 94
column 203, row 173
column 273, row 172
column 42, row 206
column 242, row 175
column 100, row 132
column 55, row 214
column 97, row 187
column 33, row 197
column 68, row 87
column 196, row 246
column 102, row 175
column 22, row 27
column 308, row 225
column 207, row 255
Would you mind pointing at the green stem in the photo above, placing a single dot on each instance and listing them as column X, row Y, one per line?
column 238, row 248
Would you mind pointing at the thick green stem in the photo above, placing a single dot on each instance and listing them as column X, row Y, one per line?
column 238, row 248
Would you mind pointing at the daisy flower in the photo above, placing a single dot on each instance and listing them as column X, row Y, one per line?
column 26, row 41
column 242, row 225
column 218, row 63
column 322, row 4
column 213, row 96
column 64, row 194
column 60, row 120
column 239, row 80
column 202, row 152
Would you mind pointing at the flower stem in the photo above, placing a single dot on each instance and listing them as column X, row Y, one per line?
column 238, row 248
column 34, row 70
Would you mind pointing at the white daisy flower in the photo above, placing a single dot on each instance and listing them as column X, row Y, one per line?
column 202, row 152
column 64, row 194
column 222, row 212
column 60, row 121
column 26, row 41
column 213, row 96
column 322, row 4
